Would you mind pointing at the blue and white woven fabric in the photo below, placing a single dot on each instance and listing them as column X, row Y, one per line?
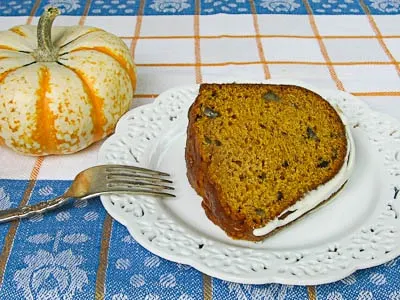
column 80, row 252
column 206, row 7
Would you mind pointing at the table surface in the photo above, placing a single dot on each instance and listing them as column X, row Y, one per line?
column 80, row 252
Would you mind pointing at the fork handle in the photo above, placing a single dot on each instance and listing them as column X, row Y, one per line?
column 29, row 210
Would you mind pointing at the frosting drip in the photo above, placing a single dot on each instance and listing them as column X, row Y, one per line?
column 315, row 197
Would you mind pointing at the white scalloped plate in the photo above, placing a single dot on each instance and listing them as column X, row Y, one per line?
column 357, row 229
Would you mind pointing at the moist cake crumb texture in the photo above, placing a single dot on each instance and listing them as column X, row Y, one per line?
column 253, row 150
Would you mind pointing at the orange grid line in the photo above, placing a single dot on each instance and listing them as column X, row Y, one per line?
column 207, row 287
column 33, row 12
column 261, row 54
column 379, row 35
column 207, row 280
column 107, row 224
column 36, row 168
column 322, row 46
column 101, row 273
column 377, row 94
column 362, row 94
column 138, row 27
column 156, row 37
column 197, row 51
column 138, row 96
column 276, row 62
column 312, row 292
column 85, row 13
column 10, row 236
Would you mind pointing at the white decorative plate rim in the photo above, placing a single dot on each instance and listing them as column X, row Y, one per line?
column 146, row 212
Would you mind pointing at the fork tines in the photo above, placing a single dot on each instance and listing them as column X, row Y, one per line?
column 132, row 169
column 138, row 180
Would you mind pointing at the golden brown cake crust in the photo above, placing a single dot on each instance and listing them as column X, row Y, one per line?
column 253, row 150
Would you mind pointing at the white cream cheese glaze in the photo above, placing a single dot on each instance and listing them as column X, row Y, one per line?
column 317, row 196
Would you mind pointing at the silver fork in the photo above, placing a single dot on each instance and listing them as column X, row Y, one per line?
column 98, row 180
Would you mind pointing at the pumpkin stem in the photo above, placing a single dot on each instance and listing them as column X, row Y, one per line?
column 46, row 50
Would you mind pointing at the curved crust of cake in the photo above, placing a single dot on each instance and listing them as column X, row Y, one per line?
column 197, row 174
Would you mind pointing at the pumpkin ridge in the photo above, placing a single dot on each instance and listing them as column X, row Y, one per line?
column 2, row 47
column 61, row 110
column 97, row 113
column 45, row 133
column 6, row 73
column 17, row 30
column 78, row 37
column 124, row 64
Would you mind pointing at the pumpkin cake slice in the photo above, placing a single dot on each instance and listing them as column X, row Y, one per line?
column 263, row 155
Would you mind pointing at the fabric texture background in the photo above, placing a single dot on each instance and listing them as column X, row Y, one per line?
column 79, row 252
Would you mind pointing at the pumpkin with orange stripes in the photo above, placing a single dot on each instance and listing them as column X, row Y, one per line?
column 61, row 88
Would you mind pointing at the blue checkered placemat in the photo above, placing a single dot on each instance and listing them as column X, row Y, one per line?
column 79, row 252
column 206, row 7
column 58, row 256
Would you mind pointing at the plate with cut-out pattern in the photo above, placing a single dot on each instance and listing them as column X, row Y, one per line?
column 357, row 229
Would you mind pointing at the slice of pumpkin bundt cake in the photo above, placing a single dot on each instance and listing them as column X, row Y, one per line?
column 263, row 155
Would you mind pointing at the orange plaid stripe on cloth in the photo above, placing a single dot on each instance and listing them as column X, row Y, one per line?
column 357, row 53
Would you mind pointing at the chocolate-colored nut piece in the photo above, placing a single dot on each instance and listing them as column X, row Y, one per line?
column 311, row 134
column 209, row 112
column 262, row 176
column 207, row 140
column 271, row 96
column 323, row 164
column 260, row 212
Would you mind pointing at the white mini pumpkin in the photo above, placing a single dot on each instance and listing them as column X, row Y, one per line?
column 61, row 88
